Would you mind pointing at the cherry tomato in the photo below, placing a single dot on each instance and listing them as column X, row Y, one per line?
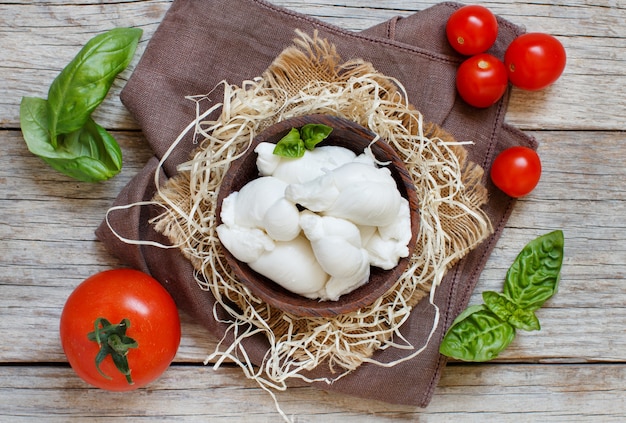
column 481, row 80
column 472, row 29
column 534, row 60
column 516, row 171
column 136, row 321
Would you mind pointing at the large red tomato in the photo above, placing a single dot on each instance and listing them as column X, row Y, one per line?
column 516, row 171
column 534, row 60
column 120, row 329
column 481, row 80
column 472, row 29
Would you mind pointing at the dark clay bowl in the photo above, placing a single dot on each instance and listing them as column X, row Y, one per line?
column 345, row 134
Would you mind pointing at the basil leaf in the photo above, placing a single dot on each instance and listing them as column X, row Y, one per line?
column 89, row 154
column 34, row 124
column 85, row 81
column 314, row 133
column 508, row 311
column 291, row 145
column 479, row 336
column 60, row 129
column 534, row 276
column 469, row 310
column 525, row 320
column 499, row 304
column 481, row 332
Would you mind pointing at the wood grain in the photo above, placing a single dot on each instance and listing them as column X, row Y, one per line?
column 467, row 393
column 39, row 39
column 571, row 370
column 43, row 261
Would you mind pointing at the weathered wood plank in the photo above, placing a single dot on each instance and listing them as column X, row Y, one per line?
column 39, row 39
column 190, row 393
column 42, row 261
column 581, row 193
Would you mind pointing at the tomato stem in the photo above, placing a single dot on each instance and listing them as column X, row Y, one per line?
column 113, row 341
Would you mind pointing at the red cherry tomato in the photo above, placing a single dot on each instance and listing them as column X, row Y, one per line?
column 534, row 60
column 516, row 171
column 136, row 321
column 472, row 29
column 481, row 80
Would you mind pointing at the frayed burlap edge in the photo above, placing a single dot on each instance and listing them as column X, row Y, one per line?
column 309, row 78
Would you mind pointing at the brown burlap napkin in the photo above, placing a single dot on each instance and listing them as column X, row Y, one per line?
column 202, row 42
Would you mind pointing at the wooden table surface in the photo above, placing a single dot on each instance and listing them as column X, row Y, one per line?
column 574, row 369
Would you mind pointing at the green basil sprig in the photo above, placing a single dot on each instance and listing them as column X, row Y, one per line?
column 483, row 331
column 296, row 142
column 60, row 129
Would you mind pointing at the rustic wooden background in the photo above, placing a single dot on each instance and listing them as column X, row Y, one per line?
column 574, row 369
